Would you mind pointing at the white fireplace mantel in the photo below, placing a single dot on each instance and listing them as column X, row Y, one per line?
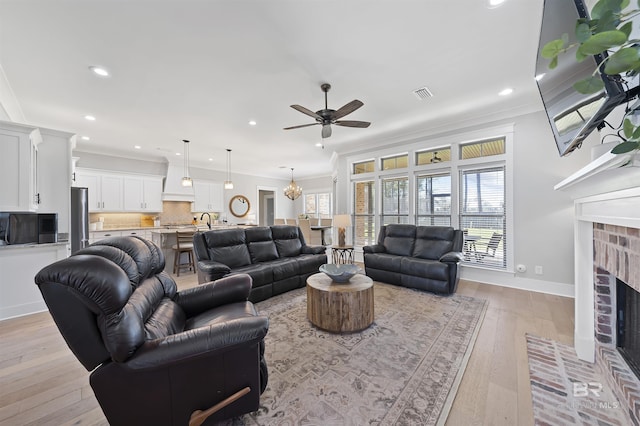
column 604, row 192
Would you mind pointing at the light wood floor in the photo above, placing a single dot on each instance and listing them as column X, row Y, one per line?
column 42, row 383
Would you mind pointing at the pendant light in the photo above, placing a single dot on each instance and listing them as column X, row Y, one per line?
column 186, row 180
column 227, row 183
column 292, row 191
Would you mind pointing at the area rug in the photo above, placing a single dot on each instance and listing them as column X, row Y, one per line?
column 567, row 390
column 403, row 370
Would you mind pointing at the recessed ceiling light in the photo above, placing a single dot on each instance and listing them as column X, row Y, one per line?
column 506, row 92
column 85, row 138
column 494, row 3
column 540, row 76
column 252, row 123
column 90, row 117
column 137, row 147
column 319, row 144
column 177, row 153
column 99, row 71
column 210, row 159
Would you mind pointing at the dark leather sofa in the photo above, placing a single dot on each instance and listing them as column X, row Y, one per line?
column 276, row 257
column 422, row 257
column 157, row 356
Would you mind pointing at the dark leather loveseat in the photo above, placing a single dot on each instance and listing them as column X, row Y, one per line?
column 276, row 257
column 157, row 356
column 422, row 257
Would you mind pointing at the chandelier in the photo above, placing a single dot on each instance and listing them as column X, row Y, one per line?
column 186, row 180
column 292, row 191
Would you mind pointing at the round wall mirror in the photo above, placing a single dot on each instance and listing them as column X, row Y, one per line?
column 239, row 206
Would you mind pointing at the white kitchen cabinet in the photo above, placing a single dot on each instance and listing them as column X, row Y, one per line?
column 209, row 196
column 54, row 176
column 19, row 295
column 100, row 235
column 142, row 193
column 144, row 233
column 111, row 192
column 18, row 144
column 105, row 190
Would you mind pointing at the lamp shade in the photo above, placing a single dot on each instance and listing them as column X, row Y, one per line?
column 341, row 220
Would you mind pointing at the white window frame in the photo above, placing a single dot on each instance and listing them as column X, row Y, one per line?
column 315, row 193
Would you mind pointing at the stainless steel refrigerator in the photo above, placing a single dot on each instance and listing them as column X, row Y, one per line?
column 79, row 218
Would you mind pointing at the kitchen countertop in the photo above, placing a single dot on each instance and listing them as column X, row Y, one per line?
column 33, row 245
column 165, row 229
column 145, row 228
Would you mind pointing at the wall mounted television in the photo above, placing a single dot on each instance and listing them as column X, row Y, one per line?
column 572, row 115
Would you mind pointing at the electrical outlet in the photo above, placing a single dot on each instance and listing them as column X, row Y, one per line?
column 538, row 270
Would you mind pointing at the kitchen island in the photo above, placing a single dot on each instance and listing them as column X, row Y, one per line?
column 165, row 238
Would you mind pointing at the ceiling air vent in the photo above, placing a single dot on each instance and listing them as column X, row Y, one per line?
column 423, row 93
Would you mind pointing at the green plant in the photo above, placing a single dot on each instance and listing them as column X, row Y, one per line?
column 608, row 30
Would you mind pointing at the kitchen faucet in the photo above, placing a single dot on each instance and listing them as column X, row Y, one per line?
column 208, row 220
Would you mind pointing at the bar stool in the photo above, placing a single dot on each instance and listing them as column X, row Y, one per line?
column 184, row 244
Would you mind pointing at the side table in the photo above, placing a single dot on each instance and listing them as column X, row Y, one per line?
column 340, row 307
column 342, row 254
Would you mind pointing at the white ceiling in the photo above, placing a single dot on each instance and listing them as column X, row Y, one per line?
column 200, row 70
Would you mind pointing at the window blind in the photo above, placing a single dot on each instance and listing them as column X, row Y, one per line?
column 483, row 216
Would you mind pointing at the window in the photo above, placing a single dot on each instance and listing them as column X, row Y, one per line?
column 310, row 204
column 318, row 204
column 433, row 200
column 483, row 216
column 363, row 167
column 442, row 155
column 395, row 200
column 364, row 229
column 482, row 149
column 465, row 185
column 397, row 162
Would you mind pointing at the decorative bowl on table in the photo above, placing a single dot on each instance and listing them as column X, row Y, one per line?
column 339, row 273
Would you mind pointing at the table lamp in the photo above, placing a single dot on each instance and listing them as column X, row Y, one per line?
column 341, row 221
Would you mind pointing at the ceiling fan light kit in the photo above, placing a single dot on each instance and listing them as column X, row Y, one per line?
column 326, row 117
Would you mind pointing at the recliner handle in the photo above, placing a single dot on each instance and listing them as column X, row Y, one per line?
column 198, row 417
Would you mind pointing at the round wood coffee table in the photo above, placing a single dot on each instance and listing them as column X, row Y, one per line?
column 340, row 307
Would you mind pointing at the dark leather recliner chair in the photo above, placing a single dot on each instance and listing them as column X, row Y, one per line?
column 157, row 356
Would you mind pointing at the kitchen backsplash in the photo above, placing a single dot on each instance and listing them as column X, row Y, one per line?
column 173, row 213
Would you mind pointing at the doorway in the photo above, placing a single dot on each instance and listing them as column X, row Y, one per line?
column 266, row 206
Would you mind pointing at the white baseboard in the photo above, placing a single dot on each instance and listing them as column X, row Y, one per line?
column 508, row 279
column 8, row 312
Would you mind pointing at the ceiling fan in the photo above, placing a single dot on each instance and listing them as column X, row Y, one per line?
column 326, row 117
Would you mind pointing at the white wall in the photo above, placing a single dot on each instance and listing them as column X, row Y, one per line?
column 543, row 217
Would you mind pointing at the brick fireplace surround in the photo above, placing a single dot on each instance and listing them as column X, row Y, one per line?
column 606, row 246
column 616, row 254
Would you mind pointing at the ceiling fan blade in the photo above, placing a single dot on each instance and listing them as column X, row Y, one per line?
column 326, row 130
column 301, row 125
column 306, row 111
column 347, row 109
column 351, row 123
